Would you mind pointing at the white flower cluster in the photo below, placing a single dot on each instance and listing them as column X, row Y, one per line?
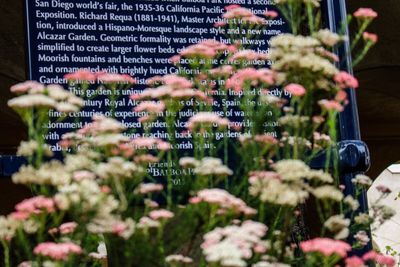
column 86, row 195
column 299, row 52
column 28, row 149
column 118, row 167
column 8, row 228
column 35, row 95
column 232, row 245
column 338, row 225
column 225, row 201
column 50, row 173
column 206, row 166
column 292, row 183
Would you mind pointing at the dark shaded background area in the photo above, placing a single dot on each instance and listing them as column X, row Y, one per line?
column 378, row 95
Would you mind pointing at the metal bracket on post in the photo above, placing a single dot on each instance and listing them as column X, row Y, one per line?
column 353, row 156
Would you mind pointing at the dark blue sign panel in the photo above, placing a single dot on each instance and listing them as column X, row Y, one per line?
column 126, row 37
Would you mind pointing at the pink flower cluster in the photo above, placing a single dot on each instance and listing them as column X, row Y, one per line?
column 345, row 80
column 257, row 176
column 202, row 119
column 65, row 228
column 251, row 76
column 161, row 214
column 148, row 188
column 245, row 238
column 331, row 105
column 370, row 37
column 150, row 106
column 326, row 246
column 57, row 251
column 115, row 78
column 81, row 75
column 379, row 258
column 225, row 201
column 295, row 89
column 249, row 55
column 150, row 143
column 271, row 14
column 33, row 205
column 101, row 124
column 365, row 13
column 25, row 87
column 205, row 49
column 225, row 70
column 244, row 14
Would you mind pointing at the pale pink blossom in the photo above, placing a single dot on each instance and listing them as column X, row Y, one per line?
column 370, row 37
column 345, row 80
column 148, row 188
column 222, row 199
column 36, row 205
column 219, row 24
column 233, row 6
column 146, row 158
column 19, row 215
column 379, row 258
column 354, row 261
column 115, row 78
column 68, row 227
column 105, row 189
column 178, row 259
column 247, row 55
column 150, row 106
column 202, row 119
column 25, row 87
column 81, row 75
column 295, row 89
column 331, row 105
column 176, row 81
column 326, row 246
column 271, row 14
column 83, row 175
column 175, row 59
column 161, row 214
column 57, row 251
column 250, row 76
column 365, row 13
column 224, row 70
column 198, row 50
column 341, row 96
column 119, row 227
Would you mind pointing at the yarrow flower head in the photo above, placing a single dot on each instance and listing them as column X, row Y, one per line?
column 57, row 251
column 346, row 80
column 365, row 13
column 204, row 120
column 370, row 37
column 326, row 247
column 82, row 75
column 232, row 245
column 295, row 89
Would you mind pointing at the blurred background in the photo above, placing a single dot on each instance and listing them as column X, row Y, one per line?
column 378, row 96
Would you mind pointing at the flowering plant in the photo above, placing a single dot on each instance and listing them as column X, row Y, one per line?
column 236, row 197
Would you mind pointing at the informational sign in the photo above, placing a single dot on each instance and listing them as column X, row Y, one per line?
column 126, row 37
